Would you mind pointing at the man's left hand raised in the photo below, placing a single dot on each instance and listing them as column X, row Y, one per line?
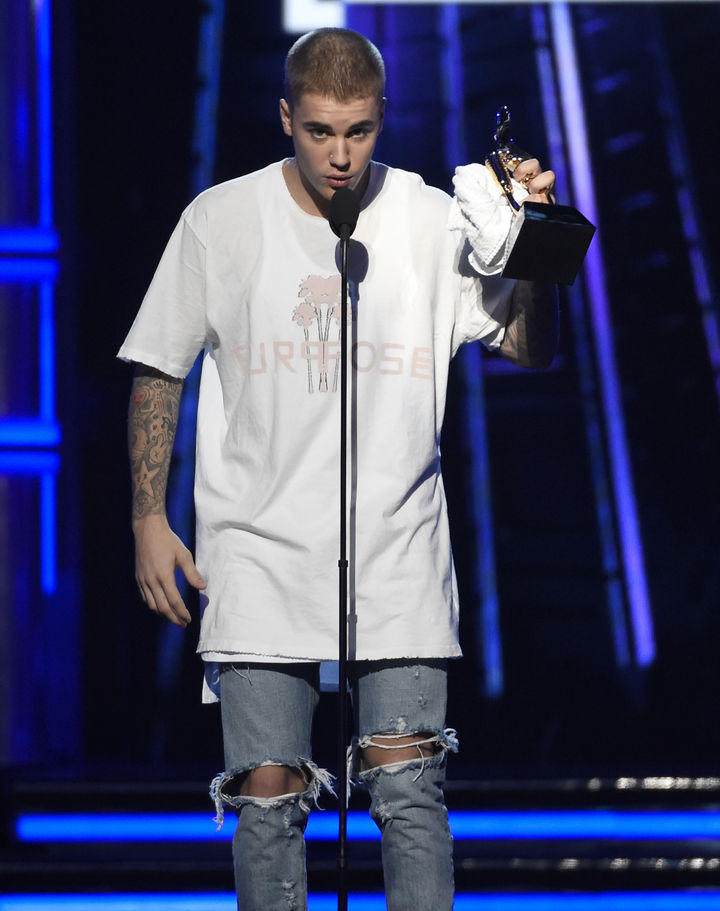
column 539, row 184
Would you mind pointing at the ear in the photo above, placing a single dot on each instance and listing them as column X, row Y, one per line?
column 381, row 114
column 285, row 117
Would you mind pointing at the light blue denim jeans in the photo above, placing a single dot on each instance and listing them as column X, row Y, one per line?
column 267, row 712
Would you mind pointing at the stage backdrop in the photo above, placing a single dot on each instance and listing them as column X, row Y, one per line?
column 584, row 500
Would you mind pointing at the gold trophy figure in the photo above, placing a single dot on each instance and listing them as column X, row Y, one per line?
column 553, row 239
column 506, row 155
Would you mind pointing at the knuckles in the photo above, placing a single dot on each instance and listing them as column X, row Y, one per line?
column 530, row 164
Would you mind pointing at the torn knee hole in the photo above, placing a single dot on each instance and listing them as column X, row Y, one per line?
column 376, row 750
column 384, row 749
column 269, row 781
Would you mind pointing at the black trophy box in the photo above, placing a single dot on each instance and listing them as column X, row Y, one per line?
column 551, row 244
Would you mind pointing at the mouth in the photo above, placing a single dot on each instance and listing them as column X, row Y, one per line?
column 336, row 181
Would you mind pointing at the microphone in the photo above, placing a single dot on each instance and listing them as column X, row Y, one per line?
column 344, row 212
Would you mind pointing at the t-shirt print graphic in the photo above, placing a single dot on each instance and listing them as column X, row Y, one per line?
column 320, row 310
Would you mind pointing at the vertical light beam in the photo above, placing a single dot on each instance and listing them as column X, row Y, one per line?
column 48, row 562
column 488, row 641
column 46, row 345
column 580, row 167
column 583, row 356
column 44, row 111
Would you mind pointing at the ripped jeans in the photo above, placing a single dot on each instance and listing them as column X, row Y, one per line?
column 267, row 712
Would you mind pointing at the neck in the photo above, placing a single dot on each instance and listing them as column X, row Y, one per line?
column 307, row 197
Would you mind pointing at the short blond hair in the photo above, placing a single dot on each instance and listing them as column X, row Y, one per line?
column 335, row 62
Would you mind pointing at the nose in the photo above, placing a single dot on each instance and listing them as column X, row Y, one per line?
column 340, row 154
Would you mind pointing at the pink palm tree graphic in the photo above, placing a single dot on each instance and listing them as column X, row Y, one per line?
column 304, row 315
column 336, row 315
column 321, row 300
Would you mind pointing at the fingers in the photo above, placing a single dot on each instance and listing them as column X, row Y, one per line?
column 163, row 598
column 185, row 562
column 541, row 187
column 526, row 170
column 146, row 595
column 177, row 613
column 538, row 183
column 542, row 184
column 158, row 553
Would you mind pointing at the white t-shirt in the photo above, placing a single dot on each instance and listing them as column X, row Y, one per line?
column 254, row 280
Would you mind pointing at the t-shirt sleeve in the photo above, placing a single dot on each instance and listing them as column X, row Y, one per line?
column 482, row 306
column 170, row 327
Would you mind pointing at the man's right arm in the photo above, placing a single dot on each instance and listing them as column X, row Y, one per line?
column 152, row 424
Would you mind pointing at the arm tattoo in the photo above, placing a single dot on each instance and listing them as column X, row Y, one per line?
column 152, row 423
column 531, row 334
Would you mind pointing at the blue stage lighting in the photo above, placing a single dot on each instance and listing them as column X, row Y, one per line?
column 582, row 178
column 27, row 270
column 706, row 900
column 48, row 541
column 28, row 240
column 18, row 462
column 46, row 346
column 28, row 432
column 616, row 825
column 44, row 107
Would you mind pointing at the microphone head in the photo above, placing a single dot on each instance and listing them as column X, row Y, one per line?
column 344, row 212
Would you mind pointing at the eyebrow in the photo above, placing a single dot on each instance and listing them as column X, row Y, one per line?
column 326, row 128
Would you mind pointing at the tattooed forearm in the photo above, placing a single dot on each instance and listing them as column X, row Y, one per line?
column 531, row 335
column 152, row 423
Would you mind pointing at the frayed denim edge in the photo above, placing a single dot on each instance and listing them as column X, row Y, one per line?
column 446, row 740
column 318, row 778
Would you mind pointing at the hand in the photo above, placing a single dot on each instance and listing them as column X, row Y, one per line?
column 538, row 183
column 158, row 552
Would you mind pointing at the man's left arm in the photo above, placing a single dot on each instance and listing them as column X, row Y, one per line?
column 531, row 331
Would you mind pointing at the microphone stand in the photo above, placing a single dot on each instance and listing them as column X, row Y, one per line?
column 343, row 216
column 343, row 580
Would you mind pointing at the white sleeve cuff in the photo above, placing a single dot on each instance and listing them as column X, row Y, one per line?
column 481, row 212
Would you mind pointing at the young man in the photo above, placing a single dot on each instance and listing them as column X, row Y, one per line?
column 250, row 276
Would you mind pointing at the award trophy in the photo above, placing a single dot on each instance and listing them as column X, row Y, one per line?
column 553, row 240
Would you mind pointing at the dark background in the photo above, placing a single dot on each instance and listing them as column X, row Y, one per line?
column 124, row 120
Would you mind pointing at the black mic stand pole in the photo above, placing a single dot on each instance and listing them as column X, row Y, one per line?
column 343, row 216
column 343, row 578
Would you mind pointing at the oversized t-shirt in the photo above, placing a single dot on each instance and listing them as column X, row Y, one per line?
column 252, row 279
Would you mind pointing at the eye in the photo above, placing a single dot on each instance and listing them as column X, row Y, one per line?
column 360, row 133
column 318, row 134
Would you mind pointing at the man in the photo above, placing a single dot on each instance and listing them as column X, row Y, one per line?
column 250, row 276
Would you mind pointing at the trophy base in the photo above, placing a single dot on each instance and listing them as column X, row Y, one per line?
column 551, row 244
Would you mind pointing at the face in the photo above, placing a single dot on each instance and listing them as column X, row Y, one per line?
column 333, row 142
